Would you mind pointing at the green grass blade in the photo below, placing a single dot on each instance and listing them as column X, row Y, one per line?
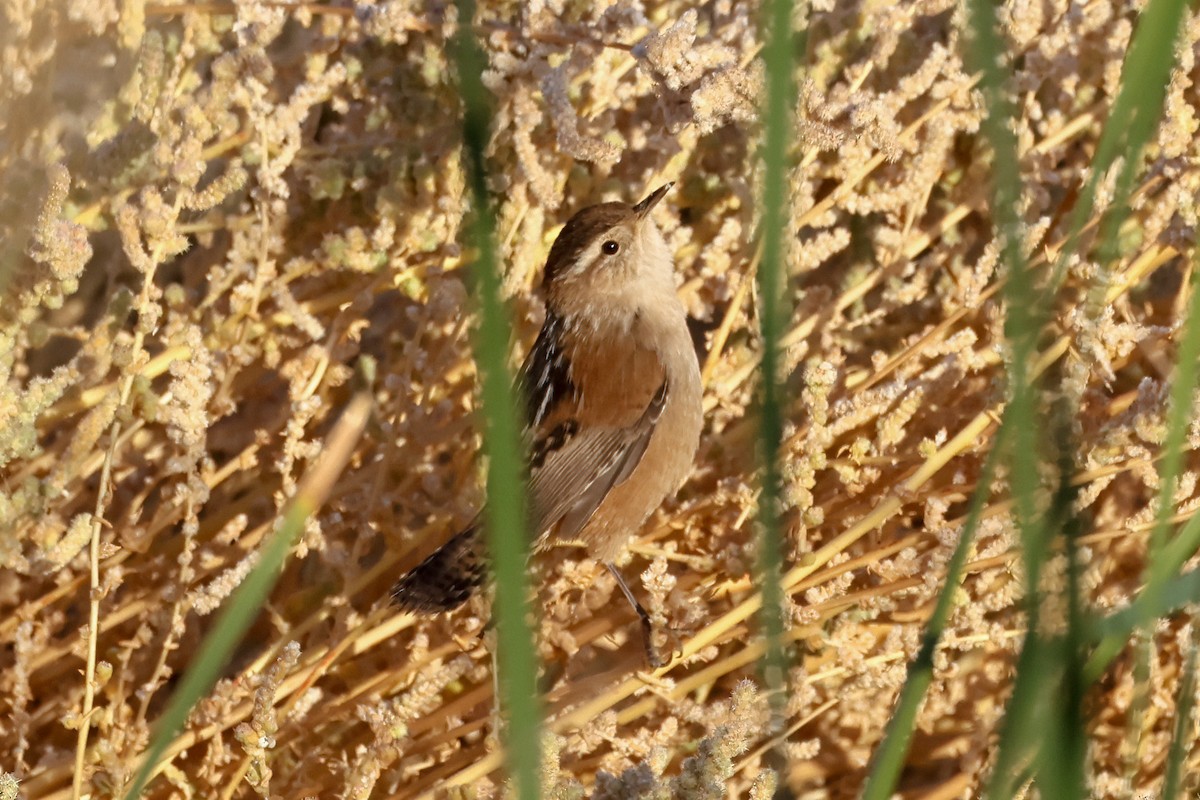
column 1137, row 108
column 1174, row 593
column 1177, row 593
column 1173, row 773
column 505, row 513
column 1021, row 325
column 1134, row 114
column 1063, row 744
column 1036, row 680
column 984, row 53
column 245, row 603
column 773, row 305
column 1167, row 555
column 1139, row 703
column 1131, row 122
column 1177, row 551
column 1179, row 417
column 1166, row 558
column 1147, row 69
column 889, row 758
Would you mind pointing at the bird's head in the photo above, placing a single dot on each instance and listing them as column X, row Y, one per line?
column 608, row 248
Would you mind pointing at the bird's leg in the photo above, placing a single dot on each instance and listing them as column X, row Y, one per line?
column 652, row 656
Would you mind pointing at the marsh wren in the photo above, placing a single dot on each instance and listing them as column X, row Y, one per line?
column 613, row 404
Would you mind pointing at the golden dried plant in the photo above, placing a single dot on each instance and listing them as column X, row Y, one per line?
column 214, row 211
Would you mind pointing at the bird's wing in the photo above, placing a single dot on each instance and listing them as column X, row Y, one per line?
column 545, row 377
column 593, row 406
column 574, row 468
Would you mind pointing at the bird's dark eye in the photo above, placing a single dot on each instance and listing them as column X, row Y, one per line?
column 610, row 248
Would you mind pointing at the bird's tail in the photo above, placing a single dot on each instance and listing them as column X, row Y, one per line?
column 447, row 578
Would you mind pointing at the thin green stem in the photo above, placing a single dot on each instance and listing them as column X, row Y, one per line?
column 505, row 514
column 773, row 314
column 1178, row 593
column 1064, row 751
column 245, row 603
column 1167, row 555
column 1134, row 114
column 889, row 758
column 1131, row 122
column 1179, row 416
column 1180, row 746
column 232, row 623
column 1021, row 327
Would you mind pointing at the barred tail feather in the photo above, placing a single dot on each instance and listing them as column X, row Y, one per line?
column 447, row 578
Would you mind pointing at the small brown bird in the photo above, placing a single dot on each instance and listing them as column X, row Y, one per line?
column 613, row 395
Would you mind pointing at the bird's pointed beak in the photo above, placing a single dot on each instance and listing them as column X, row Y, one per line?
column 642, row 209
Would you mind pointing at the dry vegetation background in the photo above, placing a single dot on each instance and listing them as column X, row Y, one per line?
column 212, row 212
